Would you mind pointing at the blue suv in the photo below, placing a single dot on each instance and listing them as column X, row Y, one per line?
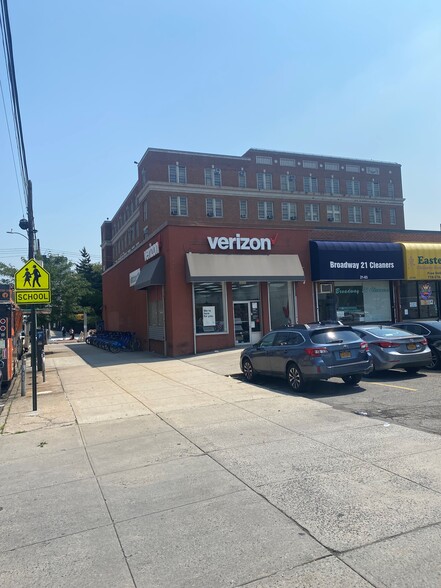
column 302, row 353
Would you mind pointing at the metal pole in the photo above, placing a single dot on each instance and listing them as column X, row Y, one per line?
column 34, row 357
column 31, row 239
column 23, row 375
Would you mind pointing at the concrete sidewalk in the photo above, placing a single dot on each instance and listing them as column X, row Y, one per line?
column 143, row 471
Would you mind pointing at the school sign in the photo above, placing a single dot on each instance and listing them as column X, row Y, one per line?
column 32, row 284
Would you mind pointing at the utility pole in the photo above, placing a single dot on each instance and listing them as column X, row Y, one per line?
column 31, row 240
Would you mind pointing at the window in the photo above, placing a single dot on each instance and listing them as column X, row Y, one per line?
column 354, row 214
column 243, row 207
column 265, row 159
column 393, row 216
column 177, row 174
column 332, row 166
column 209, row 307
column 214, row 207
column 375, row 216
column 156, row 313
column 264, row 181
column 289, row 211
column 373, row 170
column 333, row 213
column 332, row 185
column 373, row 189
column 310, row 164
column 287, row 162
column 353, row 187
column 287, row 183
column 144, row 210
column 353, row 168
column 213, row 176
column 312, row 212
column 310, row 184
column 178, row 206
column 281, row 304
column 265, row 210
column 242, row 179
column 390, row 190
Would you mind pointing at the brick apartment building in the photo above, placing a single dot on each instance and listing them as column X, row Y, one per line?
column 211, row 251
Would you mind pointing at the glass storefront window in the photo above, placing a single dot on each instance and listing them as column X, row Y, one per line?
column 245, row 291
column 356, row 302
column 419, row 300
column 409, row 300
column 209, row 307
column 281, row 311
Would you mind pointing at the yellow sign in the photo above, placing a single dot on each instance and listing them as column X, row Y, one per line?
column 422, row 261
column 32, row 284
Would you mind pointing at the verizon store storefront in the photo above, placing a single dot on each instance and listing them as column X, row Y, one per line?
column 204, row 290
column 356, row 282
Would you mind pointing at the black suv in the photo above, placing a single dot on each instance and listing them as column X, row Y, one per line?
column 301, row 353
column 431, row 330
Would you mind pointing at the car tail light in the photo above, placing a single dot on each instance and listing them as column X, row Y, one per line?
column 364, row 346
column 316, row 351
column 385, row 344
column 424, row 341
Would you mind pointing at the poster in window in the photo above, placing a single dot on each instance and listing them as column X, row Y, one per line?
column 209, row 316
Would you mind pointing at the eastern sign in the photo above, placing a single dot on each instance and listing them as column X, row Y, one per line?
column 32, row 284
column 151, row 251
column 332, row 260
column 423, row 261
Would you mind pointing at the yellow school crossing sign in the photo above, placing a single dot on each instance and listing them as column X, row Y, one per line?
column 32, row 284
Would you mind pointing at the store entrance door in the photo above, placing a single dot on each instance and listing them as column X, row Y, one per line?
column 246, row 322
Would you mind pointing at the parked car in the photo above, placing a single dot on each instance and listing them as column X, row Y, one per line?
column 431, row 330
column 302, row 353
column 395, row 348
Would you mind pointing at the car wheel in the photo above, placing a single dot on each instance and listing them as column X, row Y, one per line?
column 248, row 370
column 436, row 360
column 295, row 378
column 412, row 370
column 352, row 380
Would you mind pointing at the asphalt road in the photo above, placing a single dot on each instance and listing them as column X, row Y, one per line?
column 394, row 396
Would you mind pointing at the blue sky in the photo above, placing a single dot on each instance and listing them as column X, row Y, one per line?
column 101, row 81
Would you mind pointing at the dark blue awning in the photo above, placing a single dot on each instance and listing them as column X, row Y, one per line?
column 152, row 274
column 356, row 260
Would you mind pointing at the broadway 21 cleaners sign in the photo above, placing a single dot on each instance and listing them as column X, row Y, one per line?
column 32, row 284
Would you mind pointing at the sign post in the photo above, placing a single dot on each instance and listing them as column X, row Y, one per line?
column 33, row 286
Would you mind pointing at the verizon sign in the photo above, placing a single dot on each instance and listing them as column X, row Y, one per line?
column 241, row 243
column 151, row 251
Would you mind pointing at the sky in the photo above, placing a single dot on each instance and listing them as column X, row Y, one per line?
column 101, row 81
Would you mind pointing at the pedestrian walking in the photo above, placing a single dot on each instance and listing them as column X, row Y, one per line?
column 71, row 333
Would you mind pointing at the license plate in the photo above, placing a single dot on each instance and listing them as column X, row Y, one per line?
column 411, row 346
column 345, row 354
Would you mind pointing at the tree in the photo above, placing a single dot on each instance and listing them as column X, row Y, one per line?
column 92, row 300
column 7, row 273
column 68, row 289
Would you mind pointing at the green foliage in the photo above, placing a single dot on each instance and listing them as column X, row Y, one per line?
column 7, row 273
column 76, row 288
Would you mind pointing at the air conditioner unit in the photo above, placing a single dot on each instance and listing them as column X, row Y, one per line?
column 270, row 217
column 243, row 216
column 217, row 170
column 292, row 218
column 330, row 219
column 209, row 214
column 325, row 288
column 174, row 212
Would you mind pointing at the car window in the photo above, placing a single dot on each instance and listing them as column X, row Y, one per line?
column 333, row 336
column 268, row 340
column 288, row 338
column 414, row 328
column 386, row 332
